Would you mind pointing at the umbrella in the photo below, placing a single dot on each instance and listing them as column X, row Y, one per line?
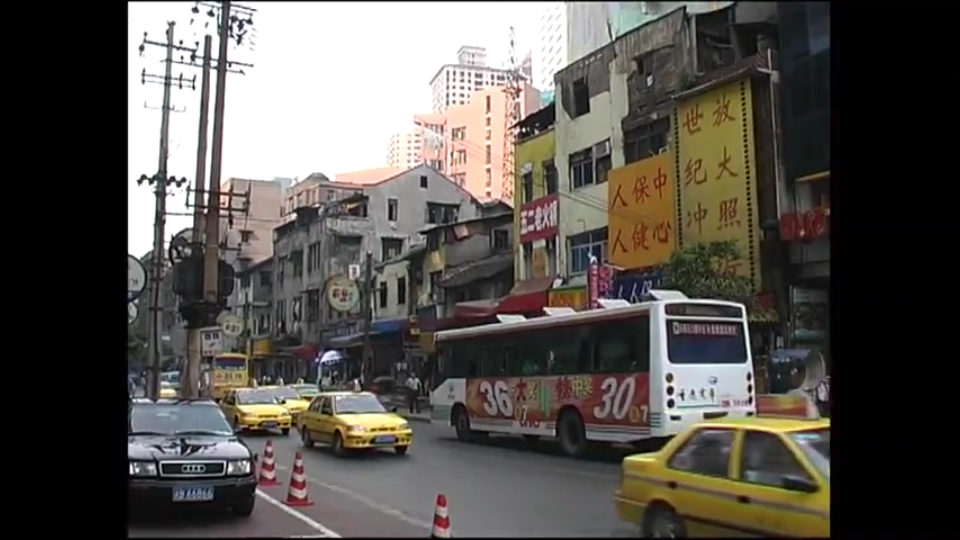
column 329, row 357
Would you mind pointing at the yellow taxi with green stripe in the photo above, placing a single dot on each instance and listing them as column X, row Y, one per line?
column 765, row 477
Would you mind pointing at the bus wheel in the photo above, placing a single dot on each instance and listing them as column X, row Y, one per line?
column 461, row 421
column 572, row 435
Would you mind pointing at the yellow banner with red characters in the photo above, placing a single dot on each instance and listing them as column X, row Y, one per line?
column 716, row 173
column 642, row 213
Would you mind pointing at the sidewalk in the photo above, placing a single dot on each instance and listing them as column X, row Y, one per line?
column 400, row 402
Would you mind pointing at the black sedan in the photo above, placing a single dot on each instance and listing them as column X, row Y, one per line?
column 184, row 453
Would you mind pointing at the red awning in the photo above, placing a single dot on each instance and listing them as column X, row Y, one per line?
column 303, row 352
column 474, row 308
column 527, row 297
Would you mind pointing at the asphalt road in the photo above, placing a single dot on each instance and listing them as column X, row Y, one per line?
column 502, row 488
column 268, row 520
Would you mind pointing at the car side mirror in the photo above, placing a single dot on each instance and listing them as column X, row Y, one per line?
column 283, row 401
column 797, row 483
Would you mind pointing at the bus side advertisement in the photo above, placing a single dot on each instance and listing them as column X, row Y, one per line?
column 604, row 400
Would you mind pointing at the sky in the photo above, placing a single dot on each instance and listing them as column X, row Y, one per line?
column 331, row 81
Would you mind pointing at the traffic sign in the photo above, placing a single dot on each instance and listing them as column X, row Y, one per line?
column 211, row 341
column 132, row 313
column 231, row 325
column 136, row 277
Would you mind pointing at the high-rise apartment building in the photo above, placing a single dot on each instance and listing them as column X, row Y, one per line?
column 550, row 52
column 405, row 149
column 455, row 83
column 422, row 143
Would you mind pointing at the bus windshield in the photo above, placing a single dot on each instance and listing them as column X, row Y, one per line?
column 223, row 362
column 706, row 342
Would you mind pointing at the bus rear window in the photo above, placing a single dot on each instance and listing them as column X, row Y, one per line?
column 706, row 342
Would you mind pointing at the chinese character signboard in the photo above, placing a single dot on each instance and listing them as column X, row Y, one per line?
column 572, row 297
column 634, row 287
column 642, row 213
column 539, row 219
column 717, row 174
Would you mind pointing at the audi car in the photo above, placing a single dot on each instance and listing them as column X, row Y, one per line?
column 184, row 453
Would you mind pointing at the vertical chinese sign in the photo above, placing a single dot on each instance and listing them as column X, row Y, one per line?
column 717, row 192
column 642, row 217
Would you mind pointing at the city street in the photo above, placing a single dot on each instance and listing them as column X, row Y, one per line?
column 495, row 489
column 268, row 520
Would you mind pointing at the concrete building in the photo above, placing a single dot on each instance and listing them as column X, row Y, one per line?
column 422, row 143
column 474, row 136
column 329, row 238
column 454, row 84
column 536, row 249
column 550, row 52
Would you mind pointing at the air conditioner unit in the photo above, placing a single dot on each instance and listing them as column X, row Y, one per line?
column 353, row 271
column 601, row 149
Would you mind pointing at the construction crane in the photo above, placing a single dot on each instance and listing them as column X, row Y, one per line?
column 512, row 89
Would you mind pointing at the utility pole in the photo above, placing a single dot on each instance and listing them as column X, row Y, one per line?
column 192, row 375
column 154, row 347
column 366, row 366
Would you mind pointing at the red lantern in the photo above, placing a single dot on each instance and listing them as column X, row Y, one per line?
column 815, row 223
column 788, row 227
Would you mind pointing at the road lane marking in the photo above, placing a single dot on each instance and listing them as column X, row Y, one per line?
column 382, row 508
column 315, row 525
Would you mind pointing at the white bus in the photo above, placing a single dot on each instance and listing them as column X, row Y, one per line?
column 622, row 373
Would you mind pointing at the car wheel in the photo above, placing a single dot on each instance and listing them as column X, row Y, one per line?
column 570, row 431
column 661, row 521
column 305, row 437
column 244, row 508
column 285, row 431
column 338, row 448
column 401, row 450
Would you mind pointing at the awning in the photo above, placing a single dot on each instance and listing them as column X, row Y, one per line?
column 474, row 309
column 385, row 326
column 477, row 270
column 352, row 340
column 303, row 352
column 527, row 297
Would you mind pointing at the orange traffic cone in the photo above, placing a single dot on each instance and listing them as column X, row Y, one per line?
column 297, row 494
column 441, row 520
column 268, row 470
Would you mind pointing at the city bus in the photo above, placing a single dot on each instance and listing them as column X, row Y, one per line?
column 623, row 373
column 230, row 370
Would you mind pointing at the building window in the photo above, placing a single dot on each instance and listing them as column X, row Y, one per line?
column 390, row 248
column 460, row 157
column 488, row 121
column 246, row 236
column 458, row 133
column 401, row 290
column 266, row 278
column 581, row 97
column 438, row 213
column 423, row 181
column 590, row 166
column 550, row 180
column 583, row 246
column 313, row 304
column 527, row 182
column 488, row 156
column 460, row 179
column 551, row 250
column 488, row 135
column 501, row 240
column 382, row 292
column 357, row 209
column 527, row 260
column 393, row 206
column 645, row 140
column 489, row 179
column 433, row 241
column 348, row 248
column 297, row 259
column 487, row 105
column 313, row 257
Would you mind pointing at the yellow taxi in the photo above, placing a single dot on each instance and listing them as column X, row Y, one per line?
column 167, row 390
column 289, row 398
column 255, row 409
column 753, row 477
column 352, row 421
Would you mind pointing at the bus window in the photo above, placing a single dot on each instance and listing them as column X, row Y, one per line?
column 641, row 355
column 564, row 346
column 585, row 360
column 615, row 346
column 706, row 342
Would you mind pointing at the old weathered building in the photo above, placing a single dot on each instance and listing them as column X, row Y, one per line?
column 329, row 238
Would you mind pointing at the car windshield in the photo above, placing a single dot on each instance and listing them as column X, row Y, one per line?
column 815, row 444
column 173, row 419
column 286, row 392
column 359, row 404
column 306, row 391
column 257, row 397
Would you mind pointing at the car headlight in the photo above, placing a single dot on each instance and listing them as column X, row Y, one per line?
column 238, row 467
column 404, row 426
column 244, row 414
column 358, row 429
column 143, row 468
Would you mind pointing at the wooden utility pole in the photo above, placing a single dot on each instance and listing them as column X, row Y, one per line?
column 366, row 366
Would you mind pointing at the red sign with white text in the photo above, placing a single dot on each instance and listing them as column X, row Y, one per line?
column 540, row 219
column 607, row 399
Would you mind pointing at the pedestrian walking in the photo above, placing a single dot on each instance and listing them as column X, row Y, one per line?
column 414, row 386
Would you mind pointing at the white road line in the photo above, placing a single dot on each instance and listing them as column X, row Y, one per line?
column 324, row 532
column 384, row 509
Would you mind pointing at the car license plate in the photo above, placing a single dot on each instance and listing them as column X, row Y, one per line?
column 385, row 439
column 268, row 425
column 192, row 494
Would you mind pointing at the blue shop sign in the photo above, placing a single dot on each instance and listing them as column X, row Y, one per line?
column 634, row 288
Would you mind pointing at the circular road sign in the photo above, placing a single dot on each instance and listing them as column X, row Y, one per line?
column 136, row 278
column 132, row 313
column 231, row 325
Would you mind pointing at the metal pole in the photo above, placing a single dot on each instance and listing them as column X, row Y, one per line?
column 155, row 349
column 192, row 376
column 366, row 367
